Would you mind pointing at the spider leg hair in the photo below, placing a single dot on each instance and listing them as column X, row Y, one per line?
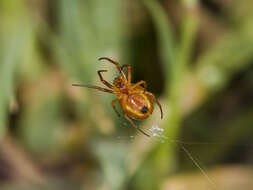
column 132, row 123
column 94, row 87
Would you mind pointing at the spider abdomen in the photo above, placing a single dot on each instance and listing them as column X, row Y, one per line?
column 137, row 106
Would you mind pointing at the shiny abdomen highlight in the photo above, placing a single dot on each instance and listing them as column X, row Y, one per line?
column 137, row 106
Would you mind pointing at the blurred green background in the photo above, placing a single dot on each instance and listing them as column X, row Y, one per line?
column 196, row 57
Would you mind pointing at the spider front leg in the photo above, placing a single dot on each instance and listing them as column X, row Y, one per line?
column 158, row 103
column 94, row 87
column 129, row 72
column 113, row 106
column 102, row 79
column 140, row 83
column 116, row 64
column 132, row 123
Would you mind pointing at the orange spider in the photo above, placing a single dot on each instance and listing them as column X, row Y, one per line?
column 134, row 100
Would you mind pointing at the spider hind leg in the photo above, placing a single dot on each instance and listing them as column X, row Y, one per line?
column 113, row 106
column 158, row 103
column 132, row 123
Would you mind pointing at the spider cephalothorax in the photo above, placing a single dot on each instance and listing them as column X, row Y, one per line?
column 118, row 82
column 134, row 100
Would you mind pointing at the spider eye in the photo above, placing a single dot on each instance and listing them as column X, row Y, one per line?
column 144, row 109
column 120, row 85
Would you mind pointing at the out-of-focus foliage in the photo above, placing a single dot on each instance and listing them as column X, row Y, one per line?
column 196, row 56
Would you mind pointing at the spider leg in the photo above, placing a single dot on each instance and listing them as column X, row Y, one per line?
column 102, row 80
column 129, row 73
column 116, row 64
column 94, row 87
column 132, row 123
column 153, row 96
column 139, row 83
column 113, row 105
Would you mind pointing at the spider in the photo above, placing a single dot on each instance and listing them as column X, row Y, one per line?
column 134, row 100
